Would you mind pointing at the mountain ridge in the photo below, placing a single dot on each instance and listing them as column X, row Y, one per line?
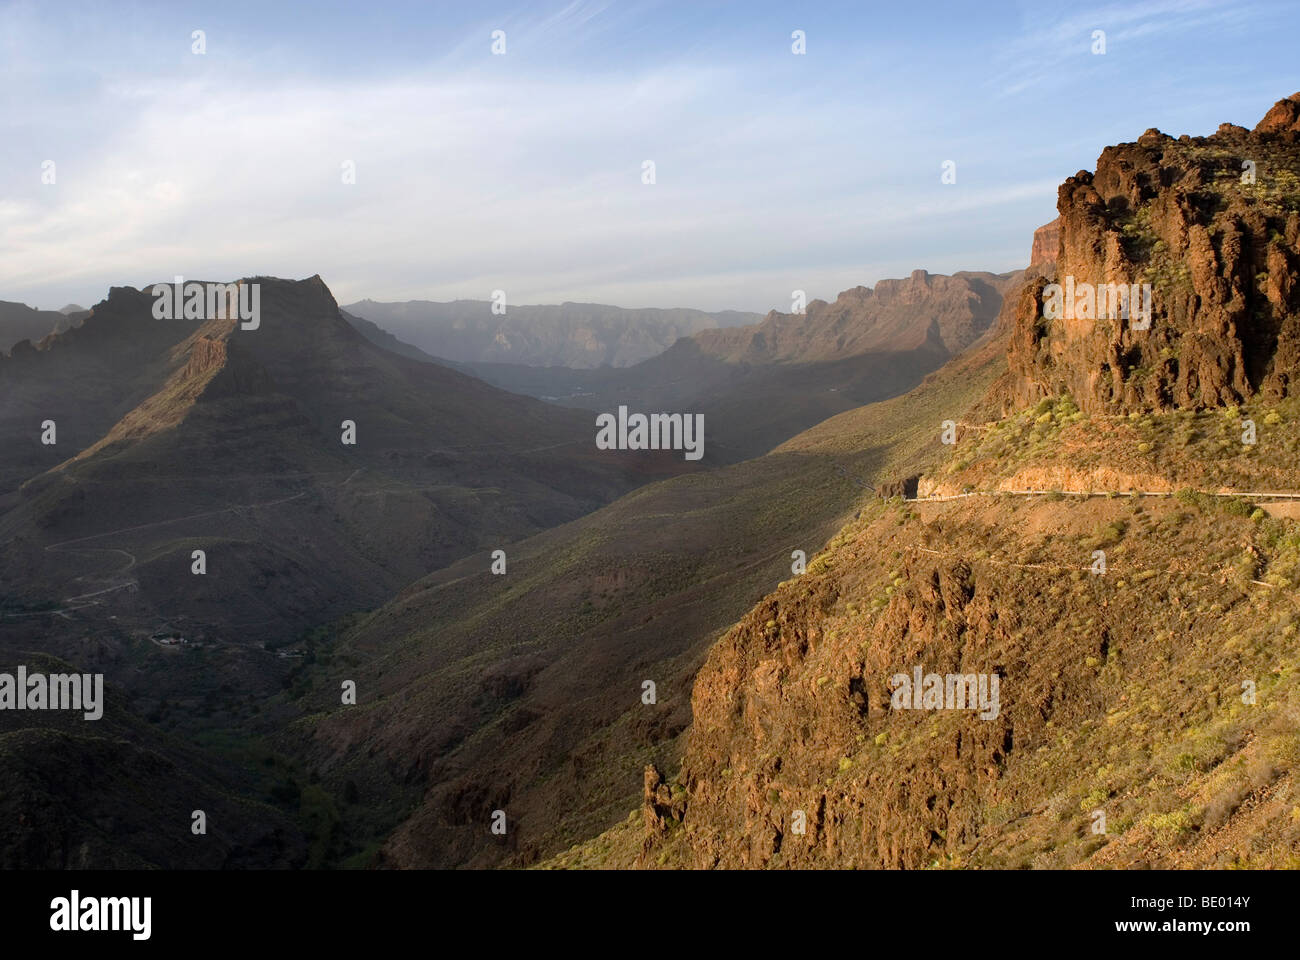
column 578, row 335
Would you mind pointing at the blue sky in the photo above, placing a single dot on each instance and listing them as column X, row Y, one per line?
column 523, row 172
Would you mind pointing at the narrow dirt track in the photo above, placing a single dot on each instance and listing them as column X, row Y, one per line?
column 84, row 599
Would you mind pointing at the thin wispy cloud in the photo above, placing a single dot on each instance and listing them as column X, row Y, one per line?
column 523, row 172
column 1053, row 49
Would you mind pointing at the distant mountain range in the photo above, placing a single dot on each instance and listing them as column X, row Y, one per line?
column 577, row 335
column 867, row 345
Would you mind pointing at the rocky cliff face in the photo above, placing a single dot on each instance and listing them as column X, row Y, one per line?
column 1047, row 239
column 236, row 373
column 1212, row 225
column 943, row 313
column 786, row 702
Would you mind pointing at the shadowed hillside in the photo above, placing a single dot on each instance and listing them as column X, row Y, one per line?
column 20, row 322
column 523, row 692
column 238, row 450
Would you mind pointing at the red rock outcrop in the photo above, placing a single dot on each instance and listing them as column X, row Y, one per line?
column 1284, row 117
column 1047, row 239
column 1212, row 224
column 225, row 369
column 946, row 313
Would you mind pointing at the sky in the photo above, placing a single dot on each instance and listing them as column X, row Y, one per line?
column 525, row 171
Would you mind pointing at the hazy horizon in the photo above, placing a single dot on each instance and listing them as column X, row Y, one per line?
column 527, row 176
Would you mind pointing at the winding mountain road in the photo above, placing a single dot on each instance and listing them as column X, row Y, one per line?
column 86, row 599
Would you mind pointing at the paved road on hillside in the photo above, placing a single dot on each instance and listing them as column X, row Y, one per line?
column 1101, row 493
